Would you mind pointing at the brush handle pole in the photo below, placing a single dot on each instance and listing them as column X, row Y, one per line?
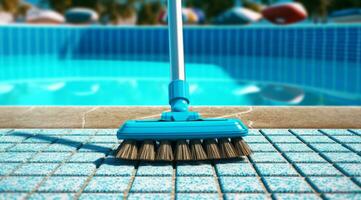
column 176, row 40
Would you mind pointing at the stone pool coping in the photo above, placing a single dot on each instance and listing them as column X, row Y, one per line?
column 112, row 117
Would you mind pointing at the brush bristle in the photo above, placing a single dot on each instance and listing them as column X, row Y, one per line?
column 197, row 150
column 147, row 152
column 242, row 147
column 182, row 152
column 211, row 147
column 165, row 152
column 127, row 150
column 227, row 149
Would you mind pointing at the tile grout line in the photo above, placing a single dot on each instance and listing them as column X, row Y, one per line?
column 55, row 169
column 259, row 177
column 324, row 157
column 339, row 142
column 25, row 161
column 131, row 181
column 217, row 181
column 354, row 132
column 174, row 181
column 335, row 164
column 315, row 191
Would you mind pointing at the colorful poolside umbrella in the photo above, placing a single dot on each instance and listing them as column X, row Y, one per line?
column 81, row 16
column 285, row 13
column 36, row 16
column 238, row 15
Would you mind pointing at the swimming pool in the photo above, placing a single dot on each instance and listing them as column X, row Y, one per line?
column 302, row 65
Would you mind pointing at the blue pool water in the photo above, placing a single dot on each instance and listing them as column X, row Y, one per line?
column 297, row 65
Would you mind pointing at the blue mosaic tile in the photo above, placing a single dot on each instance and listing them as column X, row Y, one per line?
column 317, row 169
column 75, row 169
column 355, row 146
column 149, row 196
column 97, row 147
column 104, row 139
column 281, row 196
column 283, row 132
column 40, row 139
column 115, row 167
column 334, row 184
column 12, row 196
column 15, row 156
column 12, row 139
column 317, row 139
column 254, row 132
column 198, row 196
column 348, row 139
column 356, row 131
column 49, row 131
column 351, row 169
column 86, row 157
column 284, row 139
column 24, row 147
column 305, row 157
column 5, row 146
column 108, row 184
column 256, row 139
column 304, row 132
column 287, row 184
column 235, row 169
column 196, row 185
column 152, row 184
column 102, row 196
column 358, row 180
column 4, row 132
column 54, row 196
column 110, row 132
column 36, row 169
column 262, row 147
column 155, row 170
column 276, row 169
column 335, row 132
column 285, row 147
column 50, row 157
column 343, row 157
column 83, row 132
column 194, row 170
column 74, row 138
column 19, row 183
column 343, row 196
column 62, row 184
column 329, row 147
column 56, row 147
column 7, row 168
column 250, row 196
column 240, row 184
column 267, row 157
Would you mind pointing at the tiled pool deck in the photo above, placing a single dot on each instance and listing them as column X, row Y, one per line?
column 79, row 164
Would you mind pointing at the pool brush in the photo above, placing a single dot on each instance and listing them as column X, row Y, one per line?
column 181, row 135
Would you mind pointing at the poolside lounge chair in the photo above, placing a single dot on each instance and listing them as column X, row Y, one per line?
column 36, row 16
column 6, row 18
column 237, row 16
column 81, row 16
column 285, row 13
column 347, row 16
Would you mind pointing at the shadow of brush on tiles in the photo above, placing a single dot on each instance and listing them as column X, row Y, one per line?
column 78, row 145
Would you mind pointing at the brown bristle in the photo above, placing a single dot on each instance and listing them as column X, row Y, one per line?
column 242, row 147
column 165, row 152
column 197, row 150
column 127, row 150
column 211, row 147
column 147, row 151
column 227, row 149
column 182, row 152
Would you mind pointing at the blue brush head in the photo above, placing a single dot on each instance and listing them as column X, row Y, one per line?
column 177, row 130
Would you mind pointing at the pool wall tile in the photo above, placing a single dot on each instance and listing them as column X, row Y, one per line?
column 240, row 184
column 287, row 184
column 62, row 184
column 189, row 184
column 194, row 170
column 151, row 184
column 104, row 184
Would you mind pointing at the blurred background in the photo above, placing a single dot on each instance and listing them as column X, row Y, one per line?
column 153, row 12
